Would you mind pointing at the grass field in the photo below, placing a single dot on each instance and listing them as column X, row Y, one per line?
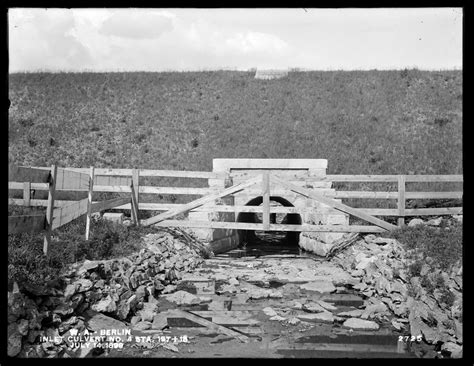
column 363, row 122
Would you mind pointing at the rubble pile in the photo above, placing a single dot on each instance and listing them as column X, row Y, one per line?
column 119, row 288
column 381, row 265
column 367, row 285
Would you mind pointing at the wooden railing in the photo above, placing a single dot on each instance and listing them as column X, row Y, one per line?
column 57, row 215
column 120, row 181
column 401, row 195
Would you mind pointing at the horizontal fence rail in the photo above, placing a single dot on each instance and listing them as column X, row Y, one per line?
column 251, row 209
column 394, row 178
column 271, row 227
column 149, row 173
column 206, row 191
column 126, row 181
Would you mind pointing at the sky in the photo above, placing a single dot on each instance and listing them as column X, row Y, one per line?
column 128, row 39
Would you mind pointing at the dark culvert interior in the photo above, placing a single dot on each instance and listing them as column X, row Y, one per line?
column 256, row 242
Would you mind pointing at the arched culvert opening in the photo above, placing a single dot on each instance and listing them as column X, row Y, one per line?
column 283, row 241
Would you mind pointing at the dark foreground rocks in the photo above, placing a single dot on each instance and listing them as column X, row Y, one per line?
column 381, row 265
column 120, row 288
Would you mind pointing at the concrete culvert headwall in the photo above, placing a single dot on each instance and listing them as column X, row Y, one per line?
column 306, row 173
column 251, row 217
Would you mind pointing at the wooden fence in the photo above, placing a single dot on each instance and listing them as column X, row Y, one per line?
column 57, row 213
column 128, row 180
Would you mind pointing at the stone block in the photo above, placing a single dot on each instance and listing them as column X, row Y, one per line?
column 217, row 183
column 222, row 233
column 228, row 200
column 114, row 217
column 331, row 237
column 225, row 244
column 323, row 218
column 199, row 216
column 313, row 184
column 202, row 234
column 340, row 219
column 317, row 172
column 226, row 216
column 313, row 245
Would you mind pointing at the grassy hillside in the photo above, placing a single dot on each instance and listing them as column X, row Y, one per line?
column 377, row 122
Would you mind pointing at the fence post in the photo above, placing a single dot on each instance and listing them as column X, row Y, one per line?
column 26, row 193
column 136, row 184
column 50, row 209
column 266, row 200
column 134, row 208
column 134, row 188
column 401, row 200
column 89, row 202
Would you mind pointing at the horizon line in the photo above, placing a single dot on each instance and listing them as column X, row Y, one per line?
column 253, row 69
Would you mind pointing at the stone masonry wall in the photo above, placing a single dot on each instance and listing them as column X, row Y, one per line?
column 294, row 170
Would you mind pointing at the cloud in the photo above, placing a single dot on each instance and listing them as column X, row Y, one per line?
column 203, row 44
column 249, row 42
column 195, row 39
column 137, row 25
column 45, row 40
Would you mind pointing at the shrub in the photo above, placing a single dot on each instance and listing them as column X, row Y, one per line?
column 427, row 284
column 447, row 297
column 443, row 244
column 414, row 269
column 26, row 262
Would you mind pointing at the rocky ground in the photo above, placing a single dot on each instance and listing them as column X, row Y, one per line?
column 360, row 303
column 119, row 288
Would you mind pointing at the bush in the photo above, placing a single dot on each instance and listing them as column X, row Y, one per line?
column 442, row 247
column 414, row 269
column 442, row 244
column 26, row 262
column 447, row 297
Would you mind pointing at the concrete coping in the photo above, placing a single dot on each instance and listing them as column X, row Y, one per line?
column 219, row 165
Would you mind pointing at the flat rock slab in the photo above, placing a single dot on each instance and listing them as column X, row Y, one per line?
column 143, row 325
column 159, row 322
column 258, row 293
column 198, row 286
column 352, row 313
column 278, row 318
column 183, row 298
column 224, row 318
column 343, row 299
column 372, row 338
column 97, row 322
column 360, row 324
column 326, row 305
column 313, row 307
column 286, row 270
column 319, row 286
column 324, row 317
column 269, row 311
